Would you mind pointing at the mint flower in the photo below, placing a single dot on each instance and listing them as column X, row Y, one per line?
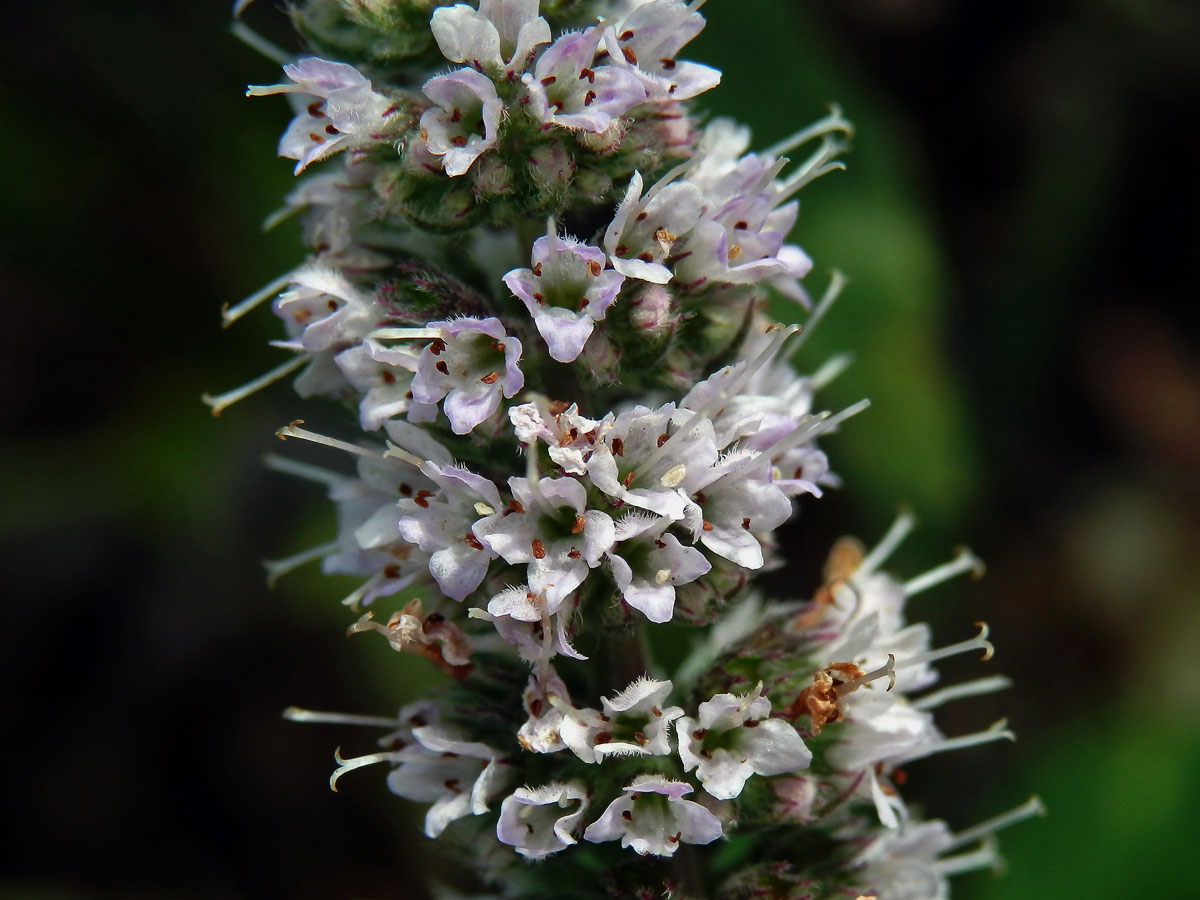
column 535, row 820
column 550, row 528
column 498, row 40
column 735, row 738
column 464, row 123
column 468, row 367
column 567, row 291
column 653, row 818
column 577, row 454
column 570, row 89
column 347, row 112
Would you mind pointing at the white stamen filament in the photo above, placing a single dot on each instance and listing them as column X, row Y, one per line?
column 231, row 314
column 779, row 334
column 302, row 470
column 357, row 762
column 997, row 731
column 888, row 669
column 767, row 176
column 658, row 186
column 256, row 41
column 808, row 429
column 831, row 370
column 279, row 216
column 222, row 401
column 837, row 281
column 352, row 599
column 832, row 122
column 985, row 857
column 292, row 431
column 1027, row 810
column 976, row 688
column 404, row 334
column 899, row 530
column 394, row 451
column 979, row 642
column 277, row 568
column 313, row 716
column 966, row 561
column 822, row 161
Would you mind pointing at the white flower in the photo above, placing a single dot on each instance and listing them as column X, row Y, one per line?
column 736, row 738
column 551, row 529
column 458, row 777
column 466, row 120
column 568, row 436
column 647, row 563
column 498, row 40
column 644, row 229
column 468, row 368
column 347, row 111
column 567, row 291
column 653, row 459
column 534, row 819
column 636, row 722
column 648, row 39
column 567, row 88
column 652, row 818
column 440, row 524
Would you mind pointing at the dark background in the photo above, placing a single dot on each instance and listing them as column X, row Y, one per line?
column 1019, row 221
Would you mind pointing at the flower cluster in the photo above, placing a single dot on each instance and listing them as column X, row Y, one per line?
column 539, row 286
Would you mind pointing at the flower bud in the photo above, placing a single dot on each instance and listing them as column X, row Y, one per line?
column 551, row 167
column 605, row 141
column 593, row 186
column 601, row 358
column 492, row 176
column 653, row 311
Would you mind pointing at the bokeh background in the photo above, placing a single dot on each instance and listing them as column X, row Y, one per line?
column 1019, row 221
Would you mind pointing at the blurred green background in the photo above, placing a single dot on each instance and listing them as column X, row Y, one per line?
column 1019, row 223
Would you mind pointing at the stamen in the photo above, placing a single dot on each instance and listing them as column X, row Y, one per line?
column 966, row 561
column 976, row 688
column 674, row 476
column 979, row 642
column 395, row 451
column 347, row 765
column 822, row 161
column 221, row 402
column 302, row 470
column 887, row 669
column 402, row 334
column 900, row 529
column 837, row 282
column 997, row 731
column 779, row 334
column 831, row 370
column 482, row 509
column 1027, row 810
column 292, row 431
column 662, row 576
column 231, row 314
column 312, row 716
column 832, row 122
column 277, row 568
column 986, row 857
column 256, row 41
